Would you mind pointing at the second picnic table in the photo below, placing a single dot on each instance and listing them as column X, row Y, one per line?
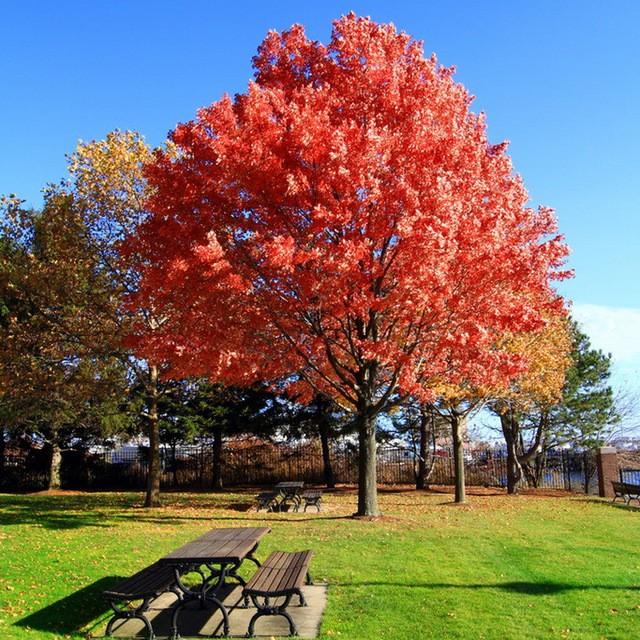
column 290, row 492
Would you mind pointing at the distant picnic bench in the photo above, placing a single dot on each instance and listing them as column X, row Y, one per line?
column 289, row 493
column 627, row 491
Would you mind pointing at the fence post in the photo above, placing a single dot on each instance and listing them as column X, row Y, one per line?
column 566, row 468
column 607, row 471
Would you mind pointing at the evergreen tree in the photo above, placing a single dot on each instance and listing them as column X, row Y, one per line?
column 59, row 377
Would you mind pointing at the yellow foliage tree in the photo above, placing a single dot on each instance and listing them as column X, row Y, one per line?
column 108, row 179
column 547, row 355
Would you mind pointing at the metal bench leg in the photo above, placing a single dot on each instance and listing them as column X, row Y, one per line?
column 251, row 557
column 312, row 503
column 302, row 602
column 293, row 631
column 232, row 572
column 207, row 598
column 137, row 613
column 177, row 593
column 112, row 621
column 267, row 609
column 147, row 624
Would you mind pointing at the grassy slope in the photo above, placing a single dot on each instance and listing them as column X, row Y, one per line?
column 525, row 567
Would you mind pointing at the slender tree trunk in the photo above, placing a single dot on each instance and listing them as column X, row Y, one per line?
column 510, row 432
column 174, row 464
column 458, row 457
column 323, row 425
column 56, row 463
column 423, row 451
column 2, row 456
column 152, row 498
column 217, row 458
column 541, row 463
column 513, row 475
column 529, row 473
column 367, row 478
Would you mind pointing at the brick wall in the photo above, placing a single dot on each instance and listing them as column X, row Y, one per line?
column 607, row 470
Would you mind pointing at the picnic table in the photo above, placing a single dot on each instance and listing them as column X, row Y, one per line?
column 290, row 492
column 216, row 557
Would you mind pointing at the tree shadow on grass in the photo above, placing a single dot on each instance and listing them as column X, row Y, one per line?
column 53, row 512
column 69, row 615
column 62, row 511
column 524, row 588
column 58, row 512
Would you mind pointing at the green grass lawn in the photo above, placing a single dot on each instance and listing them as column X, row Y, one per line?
column 520, row 567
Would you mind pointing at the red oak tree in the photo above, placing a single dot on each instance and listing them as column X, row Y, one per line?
column 345, row 224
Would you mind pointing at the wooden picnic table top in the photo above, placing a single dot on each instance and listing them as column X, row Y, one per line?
column 218, row 546
column 295, row 484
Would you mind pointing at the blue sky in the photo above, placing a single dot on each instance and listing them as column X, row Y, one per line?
column 559, row 80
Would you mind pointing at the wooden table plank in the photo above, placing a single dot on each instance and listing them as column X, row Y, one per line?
column 218, row 546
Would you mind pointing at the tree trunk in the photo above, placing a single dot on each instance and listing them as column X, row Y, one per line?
column 56, row 463
column 367, row 478
column 423, row 451
column 323, row 425
column 458, row 457
column 216, row 481
column 529, row 474
column 174, row 464
column 2, row 456
column 152, row 498
column 510, row 430
column 541, row 463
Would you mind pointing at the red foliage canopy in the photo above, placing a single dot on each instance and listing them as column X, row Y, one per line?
column 345, row 218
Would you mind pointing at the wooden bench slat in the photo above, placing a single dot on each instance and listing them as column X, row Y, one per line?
column 271, row 573
column 293, row 577
column 301, row 566
column 266, row 580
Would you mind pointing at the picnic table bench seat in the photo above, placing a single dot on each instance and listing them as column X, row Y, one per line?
column 312, row 498
column 627, row 491
column 281, row 576
column 267, row 500
column 145, row 585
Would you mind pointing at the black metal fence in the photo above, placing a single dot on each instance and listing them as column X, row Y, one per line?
column 191, row 467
